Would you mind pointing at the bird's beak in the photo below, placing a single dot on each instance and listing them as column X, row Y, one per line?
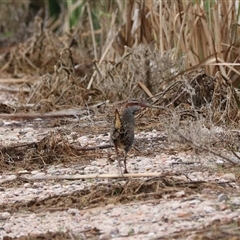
column 146, row 105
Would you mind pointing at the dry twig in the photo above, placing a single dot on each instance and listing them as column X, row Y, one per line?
column 204, row 148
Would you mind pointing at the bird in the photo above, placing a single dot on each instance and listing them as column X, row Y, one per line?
column 122, row 134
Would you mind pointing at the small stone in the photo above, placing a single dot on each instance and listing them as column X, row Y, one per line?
column 206, row 191
column 208, row 209
column 90, row 169
column 154, row 220
column 37, row 184
column 219, row 162
column 16, row 193
column 236, row 201
column 73, row 211
column 32, row 216
column 229, row 176
column 180, row 194
column 27, row 185
column 5, row 215
column 151, row 234
column 7, row 178
column 40, row 174
column 148, row 167
column 223, row 197
column 23, row 171
column 82, row 139
column 184, row 214
column 105, row 236
column 8, row 228
column 194, row 202
column 223, row 207
column 114, row 231
column 52, row 171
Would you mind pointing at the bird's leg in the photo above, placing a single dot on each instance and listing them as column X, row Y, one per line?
column 125, row 162
column 119, row 162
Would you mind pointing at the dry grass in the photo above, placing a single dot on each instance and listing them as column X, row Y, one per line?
column 204, row 32
column 144, row 71
column 149, row 50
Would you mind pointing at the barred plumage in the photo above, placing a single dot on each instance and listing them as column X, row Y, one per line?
column 122, row 134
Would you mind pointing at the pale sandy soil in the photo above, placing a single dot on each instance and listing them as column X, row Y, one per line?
column 179, row 211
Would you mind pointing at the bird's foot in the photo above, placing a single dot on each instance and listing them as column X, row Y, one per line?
column 120, row 169
column 120, row 172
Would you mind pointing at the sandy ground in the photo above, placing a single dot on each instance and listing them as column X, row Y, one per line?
column 191, row 193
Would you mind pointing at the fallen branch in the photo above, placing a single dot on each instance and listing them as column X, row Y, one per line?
column 79, row 176
column 75, row 147
column 147, row 91
column 8, row 179
column 55, row 114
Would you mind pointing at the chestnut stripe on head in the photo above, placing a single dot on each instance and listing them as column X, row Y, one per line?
column 136, row 103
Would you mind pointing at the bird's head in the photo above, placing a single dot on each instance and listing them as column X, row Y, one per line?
column 135, row 105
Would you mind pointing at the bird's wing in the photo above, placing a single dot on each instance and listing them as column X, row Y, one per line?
column 117, row 121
